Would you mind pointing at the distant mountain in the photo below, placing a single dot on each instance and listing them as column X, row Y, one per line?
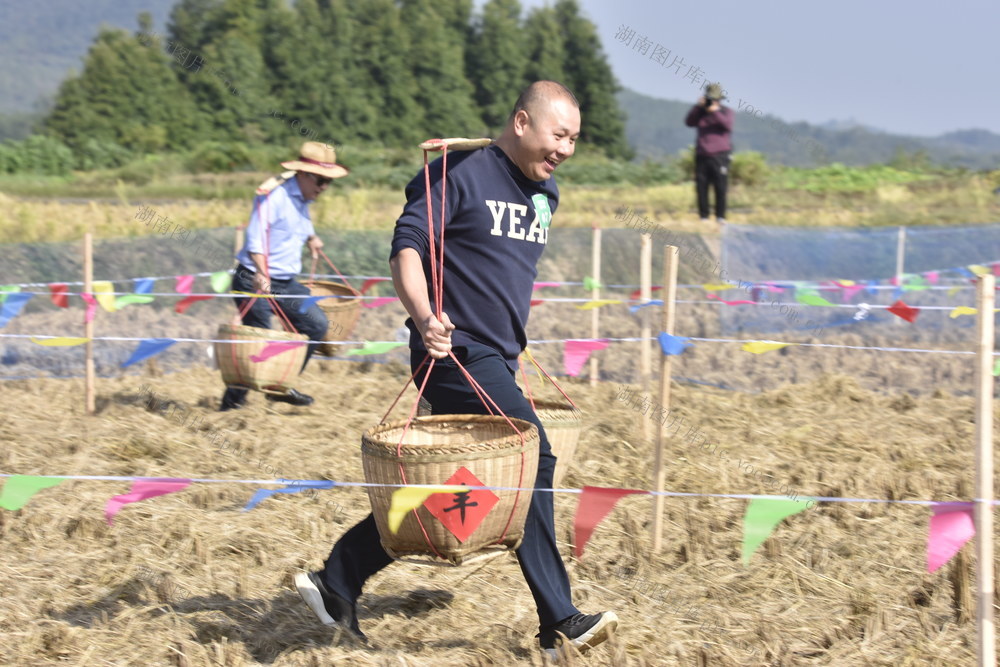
column 655, row 127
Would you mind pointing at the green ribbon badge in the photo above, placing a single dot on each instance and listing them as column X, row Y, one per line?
column 542, row 209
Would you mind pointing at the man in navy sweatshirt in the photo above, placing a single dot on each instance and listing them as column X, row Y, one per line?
column 499, row 205
column 712, row 150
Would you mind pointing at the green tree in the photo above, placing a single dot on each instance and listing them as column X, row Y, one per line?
column 546, row 47
column 590, row 78
column 498, row 58
column 126, row 94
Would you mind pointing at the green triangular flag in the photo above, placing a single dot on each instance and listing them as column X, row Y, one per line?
column 18, row 489
column 375, row 348
column 763, row 514
column 996, row 367
column 915, row 284
column 810, row 298
column 590, row 283
column 221, row 280
column 126, row 299
column 6, row 289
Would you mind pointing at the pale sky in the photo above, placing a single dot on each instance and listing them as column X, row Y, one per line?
column 920, row 67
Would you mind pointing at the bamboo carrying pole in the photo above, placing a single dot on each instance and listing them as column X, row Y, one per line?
column 88, row 326
column 985, row 301
column 646, row 346
column 671, row 258
column 595, row 294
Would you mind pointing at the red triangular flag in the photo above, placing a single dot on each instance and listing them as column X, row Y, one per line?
column 186, row 302
column 596, row 502
column 371, row 281
column 638, row 293
column 537, row 302
column 58, row 293
column 900, row 309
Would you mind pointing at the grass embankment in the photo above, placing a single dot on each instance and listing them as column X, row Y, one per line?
column 39, row 208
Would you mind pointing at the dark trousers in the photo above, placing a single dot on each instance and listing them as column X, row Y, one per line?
column 359, row 554
column 711, row 170
column 312, row 323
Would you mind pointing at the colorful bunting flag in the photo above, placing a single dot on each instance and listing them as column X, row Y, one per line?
column 8, row 289
column 996, row 367
column 374, row 348
column 810, row 297
column 954, row 290
column 673, row 345
column 591, row 284
column 718, row 287
column 141, row 490
column 915, row 284
column 595, row 503
column 932, row 277
column 365, row 286
column 576, row 353
column 762, row 515
column 590, row 305
column 540, row 285
column 639, row 306
column 104, row 291
column 308, row 302
column 143, row 285
column 738, row 302
column 979, row 270
column 962, row 310
column 848, row 291
column 380, row 301
column 409, row 498
column 274, row 348
column 88, row 316
column 127, row 299
column 294, row 487
column 951, row 526
column 221, row 281
column 147, row 348
column 900, row 309
column 637, row 294
column 536, row 302
column 182, row 284
column 12, row 307
column 18, row 489
column 762, row 346
column 188, row 301
column 59, row 341
column 57, row 292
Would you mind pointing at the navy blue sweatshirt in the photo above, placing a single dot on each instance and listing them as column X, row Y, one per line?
column 496, row 227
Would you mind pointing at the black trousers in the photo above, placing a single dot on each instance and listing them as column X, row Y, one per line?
column 711, row 170
column 359, row 553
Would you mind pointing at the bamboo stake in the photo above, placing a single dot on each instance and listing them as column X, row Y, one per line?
column 671, row 258
column 985, row 302
column 595, row 294
column 90, row 403
column 900, row 259
column 646, row 346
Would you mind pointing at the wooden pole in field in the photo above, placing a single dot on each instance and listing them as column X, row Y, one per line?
column 595, row 294
column 985, row 302
column 900, row 260
column 671, row 259
column 646, row 346
column 88, row 326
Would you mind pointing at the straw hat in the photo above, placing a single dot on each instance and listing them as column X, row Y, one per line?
column 317, row 158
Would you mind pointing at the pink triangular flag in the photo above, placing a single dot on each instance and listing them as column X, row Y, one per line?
column 539, row 285
column 951, row 527
column 932, row 277
column 596, row 502
column 91, row 307
column 141, row 490
column 183, row 284
column 275, row 347
column 849, row 291
column 576, row 353
column 380, row 301
column 996, row 268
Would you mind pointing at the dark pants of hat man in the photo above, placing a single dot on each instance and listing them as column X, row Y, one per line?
column 712, row 170
column 312, row 323
column 359, row 554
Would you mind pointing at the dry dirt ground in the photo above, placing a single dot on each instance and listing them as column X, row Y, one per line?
column 189, row 579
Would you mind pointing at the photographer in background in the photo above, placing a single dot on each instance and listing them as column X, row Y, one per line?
column 712, row 149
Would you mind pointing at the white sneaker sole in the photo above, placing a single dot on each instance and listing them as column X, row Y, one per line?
column 596, row 635
column 312, row 597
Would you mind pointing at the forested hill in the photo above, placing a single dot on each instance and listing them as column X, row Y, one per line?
column 656, row 128
column 269, row 71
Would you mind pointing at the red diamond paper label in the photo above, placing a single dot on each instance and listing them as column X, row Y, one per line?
column 462, row 512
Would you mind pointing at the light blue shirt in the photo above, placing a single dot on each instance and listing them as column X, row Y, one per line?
column 279, row 226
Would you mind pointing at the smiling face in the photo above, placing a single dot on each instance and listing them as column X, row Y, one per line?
column 545, row 135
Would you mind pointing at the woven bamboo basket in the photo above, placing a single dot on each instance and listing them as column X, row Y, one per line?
column 434, row 450
column 563, row 425
column 271, row 375
column 342, row 313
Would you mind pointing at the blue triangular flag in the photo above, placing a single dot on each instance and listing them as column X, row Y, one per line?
column 308, row 301
column 12, row 306
column 294, row 487
column 965, row 272
column 673, row 344
column 870, row 288
column 148, row 348
column 654, row 302
column 144, row 285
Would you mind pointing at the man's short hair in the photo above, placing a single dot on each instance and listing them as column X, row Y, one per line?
column 539, row 91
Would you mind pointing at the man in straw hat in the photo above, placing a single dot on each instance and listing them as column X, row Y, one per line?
column 712, row 149
column 272, row 255
column 499, row 202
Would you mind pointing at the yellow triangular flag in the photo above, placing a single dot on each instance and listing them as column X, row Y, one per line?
column 760, row 346
column 962, row 310
column 104, row 293
column 954, row 289
column 590, row 305
column 61, row 341
column 979, row 269
column 717, row 287
column 410, row 498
